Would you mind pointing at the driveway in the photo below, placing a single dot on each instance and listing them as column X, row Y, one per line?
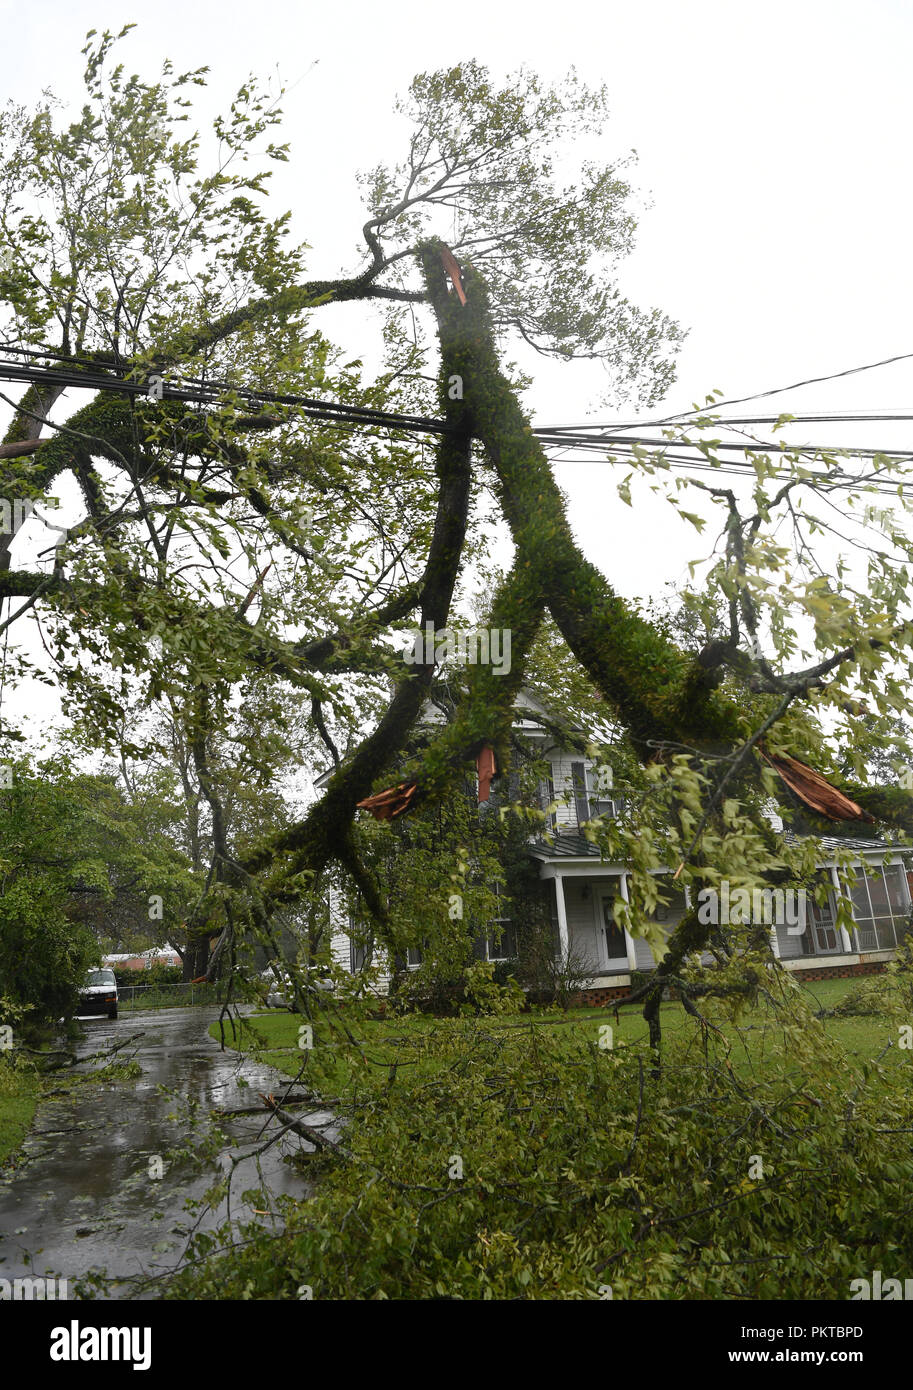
column 84, row 1198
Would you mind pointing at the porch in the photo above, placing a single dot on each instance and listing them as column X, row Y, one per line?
column 583, row 892
column 881, row 903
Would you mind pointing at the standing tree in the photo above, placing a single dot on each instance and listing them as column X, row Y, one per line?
column 78, row 863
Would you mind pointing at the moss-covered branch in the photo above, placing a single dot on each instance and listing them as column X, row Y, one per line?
column 317, row 839
column 648, row 681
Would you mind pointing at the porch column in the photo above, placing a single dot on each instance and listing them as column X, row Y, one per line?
column 906, row 885
column 629, row 940
column 848, row 946
column 563, row 938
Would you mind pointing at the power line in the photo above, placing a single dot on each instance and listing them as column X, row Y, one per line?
column 202, row 394
column 50, row 354
column 828, row 481
column 604, row 443
column 669, row 457
column 795, row 386
column 198, row 392
column 839, row 417
column 711, row 408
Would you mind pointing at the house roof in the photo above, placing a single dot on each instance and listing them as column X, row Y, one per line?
column 832, row 843
column 572, row 845
column 566, row 845
column 152, row 954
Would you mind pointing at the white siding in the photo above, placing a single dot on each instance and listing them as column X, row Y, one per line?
column 643, row 956
column 563, row 781
column 675, row 911
column 341, row 943
column 790, row 945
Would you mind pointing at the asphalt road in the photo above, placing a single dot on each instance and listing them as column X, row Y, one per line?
column 85, row 1198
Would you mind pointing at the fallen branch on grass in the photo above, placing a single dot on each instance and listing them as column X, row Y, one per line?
column 309, row 1132
column 305, row 1099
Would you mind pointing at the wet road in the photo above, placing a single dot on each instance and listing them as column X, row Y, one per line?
column 85, row 1198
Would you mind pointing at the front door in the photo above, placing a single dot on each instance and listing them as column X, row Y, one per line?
column 610, row 938
column 820, row 935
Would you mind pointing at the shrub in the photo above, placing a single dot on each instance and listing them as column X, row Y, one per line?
column 485, row 995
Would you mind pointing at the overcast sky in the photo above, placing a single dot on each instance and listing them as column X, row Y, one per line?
column 773, row 144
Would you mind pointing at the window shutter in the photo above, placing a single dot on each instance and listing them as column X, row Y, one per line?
column 578, row 781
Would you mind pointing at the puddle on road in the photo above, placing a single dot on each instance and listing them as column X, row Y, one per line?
column 84, row 1200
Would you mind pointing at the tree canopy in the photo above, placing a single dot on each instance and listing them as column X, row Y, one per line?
column 78, row 864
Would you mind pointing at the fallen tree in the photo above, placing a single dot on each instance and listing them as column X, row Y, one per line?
column 200, row 514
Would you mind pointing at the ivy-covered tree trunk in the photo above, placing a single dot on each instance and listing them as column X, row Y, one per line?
column 196, row 958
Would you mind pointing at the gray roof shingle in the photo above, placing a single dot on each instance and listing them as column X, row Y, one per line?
column 570, row 844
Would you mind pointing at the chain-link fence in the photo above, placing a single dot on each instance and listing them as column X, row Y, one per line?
column 161, row 996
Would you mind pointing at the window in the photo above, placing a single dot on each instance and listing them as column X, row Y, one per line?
column 498, row 940
column 592, row 790
column 501, row 940
column 414, row 956
column 879, row 907
column 878, row 892
column 897, row 890
column 603, row 801
column 361, row 944
column 97, row 979
column 546, row 799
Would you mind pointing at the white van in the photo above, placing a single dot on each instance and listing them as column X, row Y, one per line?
column 99, row 994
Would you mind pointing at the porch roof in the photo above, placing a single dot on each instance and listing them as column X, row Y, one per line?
column 568, row 844
column 866, row 844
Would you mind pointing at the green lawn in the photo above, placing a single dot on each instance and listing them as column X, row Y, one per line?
column 335, row 1066
column 170, row 997
column 20, row 1090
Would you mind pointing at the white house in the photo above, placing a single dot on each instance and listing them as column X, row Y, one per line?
column 581, row 888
